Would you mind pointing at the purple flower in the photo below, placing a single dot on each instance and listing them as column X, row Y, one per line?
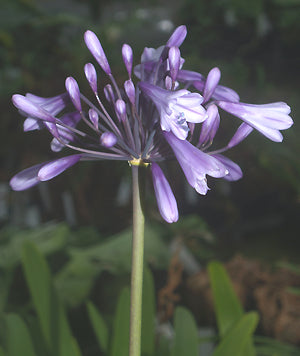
column 218, row 92
column 91, row 76
column 211, row 83
column 166, row 201
column 234, row 171
column 210, row 125
column 268, row 119
column 153, row 119
column 52, row 105
column 42, row 172
column 176, row 108
column 93, row 44
column 70, row 120
column 195, row 163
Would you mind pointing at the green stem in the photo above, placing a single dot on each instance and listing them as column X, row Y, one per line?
column 137, row 267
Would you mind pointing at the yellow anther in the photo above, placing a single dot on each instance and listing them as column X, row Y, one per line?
column 138, row 162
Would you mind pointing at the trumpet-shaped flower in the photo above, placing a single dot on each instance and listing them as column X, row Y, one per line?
column 176, row 108
column 268, row 119
column 195, row 163
column 165, row 198
column 146, row 121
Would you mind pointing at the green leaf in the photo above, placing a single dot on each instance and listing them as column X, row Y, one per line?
column 227, row 306
column 1, row 352
column 120, row 339
column 266, row 346
column 51, row 315
column 236, row 339
column 75, row 280
column 186, row 334
column 48, row 238
column 163, row 346
column 148, row 314
column 18, row 337
column 99, row 326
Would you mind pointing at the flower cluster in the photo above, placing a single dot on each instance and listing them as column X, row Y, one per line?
column 147, row 121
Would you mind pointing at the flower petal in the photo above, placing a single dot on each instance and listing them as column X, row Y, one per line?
column 164, row 196
column 210, row 125
column 91, row 76
column 93, row 44
column 267, row 118
column 56, row 167
column 177, row 36
column 234, row 171
column 195, row 163
column 73, row 90
column 26, row 178
column 211, row 83
column 241, row 133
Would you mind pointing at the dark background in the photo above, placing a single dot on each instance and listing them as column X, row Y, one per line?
column 253, row 43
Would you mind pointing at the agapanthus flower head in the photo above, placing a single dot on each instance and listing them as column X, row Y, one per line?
column 148, row 119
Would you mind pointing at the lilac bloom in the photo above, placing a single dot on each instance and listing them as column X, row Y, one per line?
column 211, row 83
column 127, row 58
column 241, row 133
column 144, row 122
column 52, row 105
column 176, row 108
column 177, row 37
column 41, row 172
column 93, row 44
column 195, row 163
column 267, row 118
column 217, row 92
column 65, row 135
column 164, row 196
column 91, row 76
column 108, row 139
column 234, row 171
column 210, row 125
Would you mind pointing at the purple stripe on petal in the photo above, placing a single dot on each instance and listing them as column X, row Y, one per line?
column 174, row 62
column 109, row 93
column 56, row 167
column 120, row 108
column 65, row 134
column 176, row 108
column 234, row 171
column 190, row 76
column 267, row 119
column 73, row 90
column 108, row 139
column 227, row 94
column 177, row 36
column 26, row 178
column 127, row 58
column 241, row 133
column 210, row 125
column 31, row 109
column 91, row 76
column 195, row 163
column 52, row 105
column 130, row 91
column 211, row 83
column 31, row 124
column 94, row 118
column 93, row 44
column 164, row 196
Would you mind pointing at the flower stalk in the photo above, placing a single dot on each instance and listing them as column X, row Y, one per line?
column 137, row 267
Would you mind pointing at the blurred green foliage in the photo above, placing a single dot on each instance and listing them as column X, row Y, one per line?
column 43, row 326
column 48, row 331
column 255, row 44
